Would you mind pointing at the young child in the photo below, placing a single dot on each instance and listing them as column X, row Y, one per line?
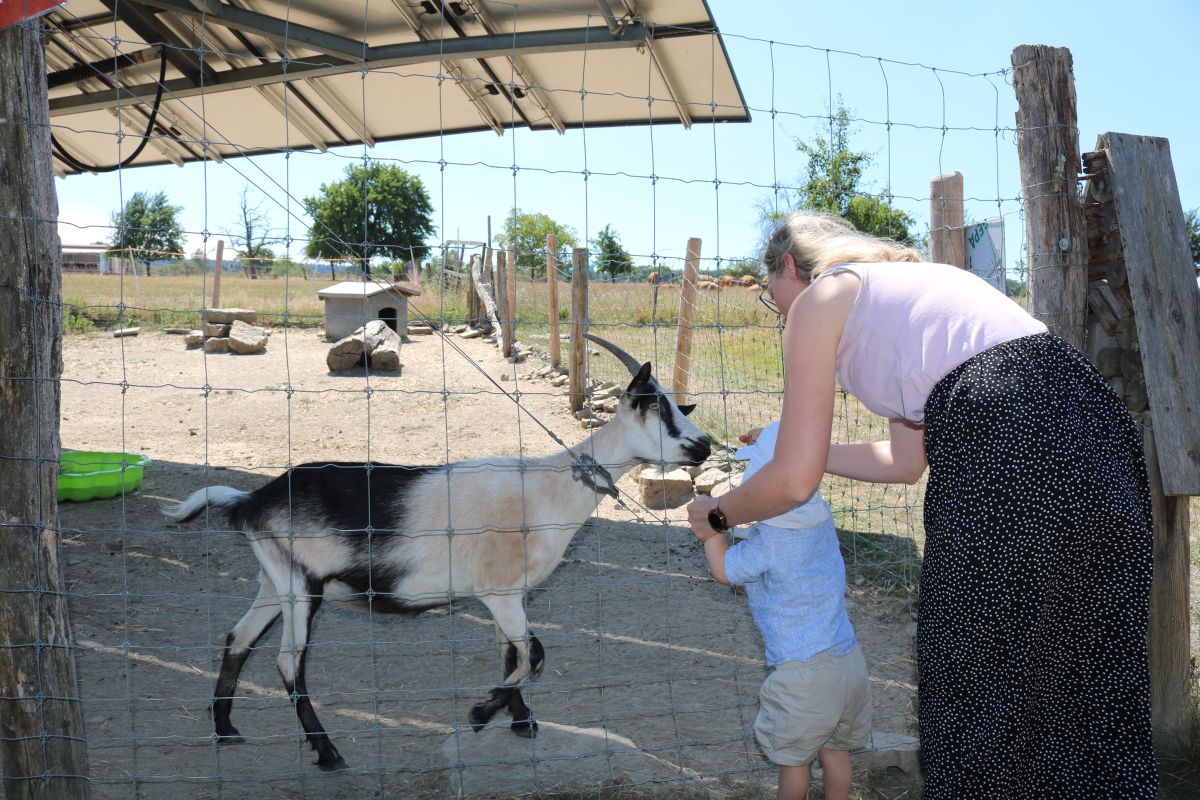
column 816, row 702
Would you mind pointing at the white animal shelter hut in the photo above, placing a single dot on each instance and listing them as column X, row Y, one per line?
column 351, row 304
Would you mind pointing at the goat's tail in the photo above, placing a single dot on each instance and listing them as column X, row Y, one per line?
column 225, row 498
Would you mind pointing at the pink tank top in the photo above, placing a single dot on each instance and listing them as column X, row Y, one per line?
column 911, row 325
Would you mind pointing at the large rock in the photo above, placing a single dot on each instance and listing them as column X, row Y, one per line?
column 194, row 339
column 245, row 338
column 213, row 330
column 707, row 480
column 664, row 490
column 227, row 316
column 375, row 341
column 496, row 763
column 216, row 345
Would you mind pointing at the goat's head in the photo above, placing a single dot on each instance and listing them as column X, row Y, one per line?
column 656, row 428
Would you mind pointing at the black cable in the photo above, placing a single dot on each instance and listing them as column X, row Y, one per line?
column 61, row 152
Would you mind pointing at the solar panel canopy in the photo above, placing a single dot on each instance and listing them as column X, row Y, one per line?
column 215, row 79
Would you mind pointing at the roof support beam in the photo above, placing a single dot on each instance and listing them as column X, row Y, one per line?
column 247, row 21
column 385, row 57
column 178, row 52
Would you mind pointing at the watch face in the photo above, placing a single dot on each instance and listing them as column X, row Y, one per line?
column 716, row 520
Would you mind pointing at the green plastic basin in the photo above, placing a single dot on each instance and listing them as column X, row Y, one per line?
column 90, row 475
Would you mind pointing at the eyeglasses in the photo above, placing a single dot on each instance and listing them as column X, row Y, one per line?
column 767, row 300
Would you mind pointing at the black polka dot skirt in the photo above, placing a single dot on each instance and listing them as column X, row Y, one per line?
column 1032, row 633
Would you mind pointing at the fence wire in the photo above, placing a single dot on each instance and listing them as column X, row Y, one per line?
column 652, row 670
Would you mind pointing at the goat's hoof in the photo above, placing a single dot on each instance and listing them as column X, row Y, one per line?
column 481, row 714
column 333, row 764
column 526, row 728
column 230, row 736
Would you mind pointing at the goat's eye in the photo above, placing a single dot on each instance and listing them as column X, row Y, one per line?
column 654, row 406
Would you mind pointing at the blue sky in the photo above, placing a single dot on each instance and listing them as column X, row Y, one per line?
column 1134, row 66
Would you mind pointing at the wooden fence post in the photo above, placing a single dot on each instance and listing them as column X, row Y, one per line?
column 552, row 288
column 502, row 309
column 1048, row 148
column 43, row 753
column 579, row 326
column 217, row 274
column 687, row 315
column 511, row 285
column 1144, row 288
column 946, row 220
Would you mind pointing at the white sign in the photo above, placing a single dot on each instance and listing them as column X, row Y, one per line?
column 985, row 251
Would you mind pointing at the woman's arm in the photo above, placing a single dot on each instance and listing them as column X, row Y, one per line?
column 814, row 327
column 901, row 459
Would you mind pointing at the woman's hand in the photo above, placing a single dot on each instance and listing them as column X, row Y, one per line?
column 698, row 517
column 750, row 436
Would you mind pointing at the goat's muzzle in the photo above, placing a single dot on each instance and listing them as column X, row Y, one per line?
column 697, row 450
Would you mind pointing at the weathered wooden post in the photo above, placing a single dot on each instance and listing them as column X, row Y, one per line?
column 502, row 310
column 552, row 288
column 43, row 752
column 687, row 315
column 946, row 220
column 1143, row 294
column 217, row 273
column 579, row 326
column 1048, row 148
column 511, row 286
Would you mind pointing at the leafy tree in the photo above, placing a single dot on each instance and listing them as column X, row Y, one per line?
column 376, row 210
column 833, row 183
column 1192, row 225
column 744, row 266
column 527, row 233
column 611, row 257
column 147, row 228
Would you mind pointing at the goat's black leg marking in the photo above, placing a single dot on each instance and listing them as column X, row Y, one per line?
column 328, row 757
column 238, row 645
column 483, row 711
column 523, row 723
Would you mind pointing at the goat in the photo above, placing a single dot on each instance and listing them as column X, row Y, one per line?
column 399, row 539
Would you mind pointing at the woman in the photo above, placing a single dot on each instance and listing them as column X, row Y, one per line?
column 1034, row 595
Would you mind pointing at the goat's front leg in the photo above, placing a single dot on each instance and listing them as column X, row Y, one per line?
column 508, row 612
column 238, row 646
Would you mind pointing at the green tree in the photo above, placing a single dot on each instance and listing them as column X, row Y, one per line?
column 744, row 266
column 376, row 210
column 1192, row 224
column 526, row 233
column 611, row 257
column 833, row 182
column 147, row 228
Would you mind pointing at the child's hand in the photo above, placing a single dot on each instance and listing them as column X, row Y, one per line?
column 698, row 517
column 750, row 436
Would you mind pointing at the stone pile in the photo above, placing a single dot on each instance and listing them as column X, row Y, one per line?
column 228, row 330
column 375, row 344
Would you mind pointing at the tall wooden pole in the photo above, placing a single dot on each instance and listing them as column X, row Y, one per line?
column 579, row 325
column 1048, row 149
column 946, row 220
column 43, row 753
column 502, row 310
column 687, row 315
column 217, row 274
column 511, row 284
column 552, row 288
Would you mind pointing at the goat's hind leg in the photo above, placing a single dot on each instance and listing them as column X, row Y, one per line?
column 297, row 622
column 238, row 645
column 508, row 612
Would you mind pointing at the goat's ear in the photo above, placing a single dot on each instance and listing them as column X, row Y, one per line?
column 641, row 379
column 685, row 410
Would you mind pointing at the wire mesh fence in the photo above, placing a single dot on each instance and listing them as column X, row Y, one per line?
column 651, row 670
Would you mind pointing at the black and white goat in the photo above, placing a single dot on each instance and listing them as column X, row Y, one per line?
column 406, row 539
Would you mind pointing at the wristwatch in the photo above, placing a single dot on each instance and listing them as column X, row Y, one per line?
column 716, row 520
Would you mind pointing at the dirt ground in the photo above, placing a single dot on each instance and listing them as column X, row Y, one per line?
column 639, row 641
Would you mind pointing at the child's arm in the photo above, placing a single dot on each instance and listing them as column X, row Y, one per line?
column 715, row 548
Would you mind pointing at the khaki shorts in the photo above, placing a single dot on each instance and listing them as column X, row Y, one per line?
column 805, row 706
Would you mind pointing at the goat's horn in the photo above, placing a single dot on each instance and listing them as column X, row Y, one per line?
column 631, row 363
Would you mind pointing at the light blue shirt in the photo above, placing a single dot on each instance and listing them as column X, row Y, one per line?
column 795, row 580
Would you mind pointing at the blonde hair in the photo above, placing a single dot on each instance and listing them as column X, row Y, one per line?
column 818, row 241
